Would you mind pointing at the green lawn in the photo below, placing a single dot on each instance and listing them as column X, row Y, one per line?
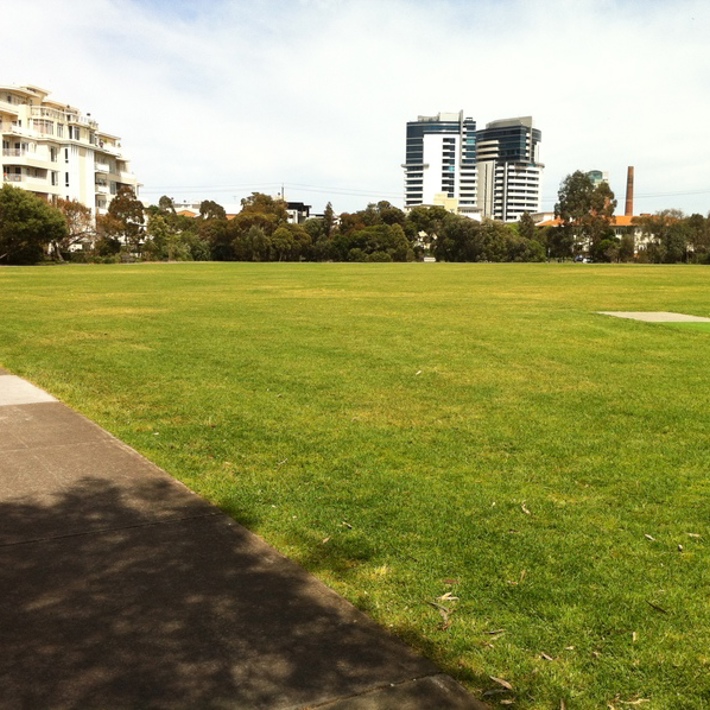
column 419, row 430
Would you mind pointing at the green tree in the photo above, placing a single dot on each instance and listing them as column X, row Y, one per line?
column 209, row 209
column 328, row 220
column 27, row 225
column 666, row 235
column 166, row 205
column 423, row 226
column 80, row 227
column 128, row 217
column 586, row 211
column 526, row 226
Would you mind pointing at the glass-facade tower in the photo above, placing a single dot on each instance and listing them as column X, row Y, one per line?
column 493, row 172
column 440, row 159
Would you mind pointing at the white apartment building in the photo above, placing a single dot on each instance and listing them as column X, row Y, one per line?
column 51, row 149
column 493, row 172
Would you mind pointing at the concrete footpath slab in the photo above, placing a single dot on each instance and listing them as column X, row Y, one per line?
column 656, row 316
column 120, row 588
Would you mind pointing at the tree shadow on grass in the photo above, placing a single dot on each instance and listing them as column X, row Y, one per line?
column 104, row 606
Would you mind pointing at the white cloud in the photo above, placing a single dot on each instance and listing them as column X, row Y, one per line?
column 216, row 98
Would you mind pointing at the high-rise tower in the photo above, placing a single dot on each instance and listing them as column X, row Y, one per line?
column 441, row 158
column 494, row 172
column 509, row 168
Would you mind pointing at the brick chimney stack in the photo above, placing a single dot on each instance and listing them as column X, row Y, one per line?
column 629, row 211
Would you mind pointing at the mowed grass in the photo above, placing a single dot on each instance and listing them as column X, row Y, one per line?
column 469, row 436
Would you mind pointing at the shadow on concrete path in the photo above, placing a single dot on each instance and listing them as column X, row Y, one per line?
column 121, row 589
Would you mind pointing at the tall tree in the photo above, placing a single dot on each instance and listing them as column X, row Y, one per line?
column 27, row 225
column 127, row 212
column 209, row 209
column 586, row 211
column 80, row 227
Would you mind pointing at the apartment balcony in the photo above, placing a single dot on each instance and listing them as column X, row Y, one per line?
column 14, row 129
column 104, row 147
column 101, row 188
column 102, row 167
column 30, row 182
column 25, row 158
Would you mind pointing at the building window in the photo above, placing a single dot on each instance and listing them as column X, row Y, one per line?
column 66, row 179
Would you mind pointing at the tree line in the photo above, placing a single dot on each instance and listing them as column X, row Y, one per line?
column 32, row 230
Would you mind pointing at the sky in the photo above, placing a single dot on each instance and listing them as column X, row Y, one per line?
column 216, row 99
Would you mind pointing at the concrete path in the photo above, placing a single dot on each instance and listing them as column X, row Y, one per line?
column 119, row 588
column 656, row 316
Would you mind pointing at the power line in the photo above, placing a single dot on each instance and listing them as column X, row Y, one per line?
column 276, row 186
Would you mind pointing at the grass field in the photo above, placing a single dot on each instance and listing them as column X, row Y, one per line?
column 513, row 484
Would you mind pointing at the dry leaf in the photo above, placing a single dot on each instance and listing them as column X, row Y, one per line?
column 546, row 657
column 694, row 535
column 496, row 632
column 448, row 597
column 325, row 539
column 680, row 548
column 634, row 636
column 649, row 537
column 445, row 613
column 508, row 701
column 418, row 372
column 656, row 607
column 502, row 682
column 524, row 508
column 346, row 524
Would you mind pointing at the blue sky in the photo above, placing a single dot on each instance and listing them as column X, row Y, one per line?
column 216, row 99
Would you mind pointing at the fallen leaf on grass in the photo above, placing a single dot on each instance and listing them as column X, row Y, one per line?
column 347, row 525
column 502, row 682
column 545, row 657
column 445, row 614
column 694, row 535
column 448, row 597
column 508, row 701
column 418, row 372
column 524, row 508
column 680, row 548
column 650, row 537
column 656, row 607
column 497, row 691
column 325, row 539
column 496, row 632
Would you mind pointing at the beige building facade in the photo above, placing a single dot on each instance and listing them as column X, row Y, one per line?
column 53, row 150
